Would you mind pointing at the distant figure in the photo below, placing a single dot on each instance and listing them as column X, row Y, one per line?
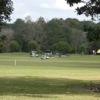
column 59, row 54
column 94, row 52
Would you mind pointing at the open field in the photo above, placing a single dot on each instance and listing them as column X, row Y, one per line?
column 73, row 77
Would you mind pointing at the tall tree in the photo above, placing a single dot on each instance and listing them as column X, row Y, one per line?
column 56, row 31
column 78, row 38
column 93, row 32
column 5, row 11
column 89, row 8
column 40, row 30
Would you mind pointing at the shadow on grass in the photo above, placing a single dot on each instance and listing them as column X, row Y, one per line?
column 40, row 87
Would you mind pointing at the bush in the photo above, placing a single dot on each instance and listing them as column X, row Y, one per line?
column 32, row 45
column 63, row 47
column 82, row 49
column 14, row 46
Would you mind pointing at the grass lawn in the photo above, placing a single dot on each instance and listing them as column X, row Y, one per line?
column 73, row 77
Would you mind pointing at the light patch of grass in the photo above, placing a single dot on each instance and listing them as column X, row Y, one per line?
column 50, row 97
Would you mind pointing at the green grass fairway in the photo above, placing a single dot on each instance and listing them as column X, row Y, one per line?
column 72, row 77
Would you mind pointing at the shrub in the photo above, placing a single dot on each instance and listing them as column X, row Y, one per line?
column 14, row 46
column 32, row 45
column 63, row 47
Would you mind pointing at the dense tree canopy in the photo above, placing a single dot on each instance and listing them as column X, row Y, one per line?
column 57, row 35
column 5, row 11
column 89, row 8
column 93, row 32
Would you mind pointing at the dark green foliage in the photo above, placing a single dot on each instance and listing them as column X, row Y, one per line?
column 57, row 30
column 23, row 33
column 32, row 45
column 83, row 49
column 14, row 46
column 90, row 7
column 49, row 34
column 94, row 45
column 71, row 2
column 5, row 11
column 2, row 39
column 93, row 32
column 1, row 45
column 62, row 47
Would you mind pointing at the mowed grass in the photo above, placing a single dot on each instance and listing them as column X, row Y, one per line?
column 66, row 78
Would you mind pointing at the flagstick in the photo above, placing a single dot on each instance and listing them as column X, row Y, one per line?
column 15, row 62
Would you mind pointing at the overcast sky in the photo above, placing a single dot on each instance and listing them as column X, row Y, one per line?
column 44, row 8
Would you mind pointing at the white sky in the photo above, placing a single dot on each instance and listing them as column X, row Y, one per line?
column 47, row 9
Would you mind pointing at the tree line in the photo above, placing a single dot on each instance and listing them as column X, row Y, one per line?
column 56, row 35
